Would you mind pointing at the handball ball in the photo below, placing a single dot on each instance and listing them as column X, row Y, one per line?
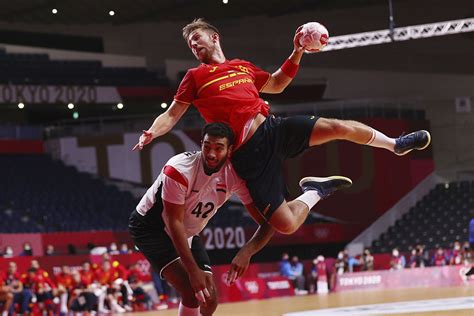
column 315, row 37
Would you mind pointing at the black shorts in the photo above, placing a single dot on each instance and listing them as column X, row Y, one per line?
column 259, row 161
column 157, row 247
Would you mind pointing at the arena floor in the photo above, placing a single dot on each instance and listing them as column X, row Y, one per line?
column 425, row 301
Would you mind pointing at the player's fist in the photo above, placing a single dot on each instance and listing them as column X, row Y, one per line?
column 145, row 138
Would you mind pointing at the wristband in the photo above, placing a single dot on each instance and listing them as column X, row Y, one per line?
column 289, row 68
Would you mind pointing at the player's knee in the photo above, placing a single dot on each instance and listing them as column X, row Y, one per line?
column 209, row 308
column 287, row 228
column 188, row 299
column 339, row 129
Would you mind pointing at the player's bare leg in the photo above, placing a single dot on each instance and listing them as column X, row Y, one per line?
column 177, row 276
column 326, row 130
column 289, row 216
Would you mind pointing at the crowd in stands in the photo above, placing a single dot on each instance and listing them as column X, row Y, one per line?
column 419, row 257
column 103, row 288
column 326, row 270
column 27, row 250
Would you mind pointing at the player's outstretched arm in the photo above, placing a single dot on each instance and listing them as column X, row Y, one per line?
column 281, row 78
column 259, row 239
column 162, row 124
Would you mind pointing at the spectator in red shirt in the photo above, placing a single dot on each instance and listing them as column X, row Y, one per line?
column 87, row 275
column 6, row 294
column 21, row 296
column 439, row 258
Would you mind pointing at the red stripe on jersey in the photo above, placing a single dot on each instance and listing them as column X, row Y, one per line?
column 175, row 175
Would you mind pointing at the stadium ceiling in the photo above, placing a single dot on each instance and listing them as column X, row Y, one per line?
column 133, row 11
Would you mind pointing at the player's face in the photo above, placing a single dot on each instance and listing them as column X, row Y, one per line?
column 202, row 44
column 215, row 151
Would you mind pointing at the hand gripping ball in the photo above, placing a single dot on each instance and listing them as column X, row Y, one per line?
column 315, row 37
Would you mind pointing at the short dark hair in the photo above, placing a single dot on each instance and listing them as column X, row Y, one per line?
column 218, row 129
column 198, row 23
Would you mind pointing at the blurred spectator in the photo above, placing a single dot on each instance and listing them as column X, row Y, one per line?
column 457, row 253
column 297, row 273
column 65, row 284
column 124, row 249
column 21, row 295
column 468, row 252
column 136, row 279
column 294, row 271
column 284, row 263
column 439, row 258
column 113, row 250
column 90, row 246
column 322, row 279
column 49, row 250
column 350, row 261
column 424, row 256
column 27, row 251
column 6, row 294
column 312, row 277
column 367, row 261
column 8, row 252
column 340, row 266
column 412, row 261
column 71, row 249
column 87, row 275
column 398, row 261
column 81, row 299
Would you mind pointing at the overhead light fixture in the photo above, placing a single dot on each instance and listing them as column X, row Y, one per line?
column 70, row 106
column 119, row 106
column 111, row 12
column 225, row 1
column 164, row 105
column 54, row 11
column 21, row 105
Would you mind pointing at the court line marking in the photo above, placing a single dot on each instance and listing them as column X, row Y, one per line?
column 404, row 307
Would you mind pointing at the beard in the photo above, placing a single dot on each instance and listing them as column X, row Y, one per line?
column 210, row 170
column 206, row 56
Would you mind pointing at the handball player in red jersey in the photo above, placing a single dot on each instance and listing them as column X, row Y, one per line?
column 227, row 91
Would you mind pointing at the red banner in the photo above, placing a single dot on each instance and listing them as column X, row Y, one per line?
column 407, row 278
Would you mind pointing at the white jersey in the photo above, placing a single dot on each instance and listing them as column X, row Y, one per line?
column 183, row 181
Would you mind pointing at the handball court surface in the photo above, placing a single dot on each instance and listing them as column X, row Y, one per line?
column 420, row 301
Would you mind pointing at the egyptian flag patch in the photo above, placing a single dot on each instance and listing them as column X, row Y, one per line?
column 221, row 187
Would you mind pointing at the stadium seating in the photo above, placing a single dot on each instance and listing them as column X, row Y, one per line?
column 22, row 68
column 438, row 219
column 38, row 194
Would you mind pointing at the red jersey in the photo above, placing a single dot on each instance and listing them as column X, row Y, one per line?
column 3, row 278
column 65, row 280
column 107, row 277
column 227, row 92
column 87, row 277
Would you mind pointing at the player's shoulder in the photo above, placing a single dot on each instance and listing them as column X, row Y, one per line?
column 184, row 163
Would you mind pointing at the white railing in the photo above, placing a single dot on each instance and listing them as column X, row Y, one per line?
column 400, row 34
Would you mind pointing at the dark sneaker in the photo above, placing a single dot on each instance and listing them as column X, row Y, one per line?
column 470, row 272
column 417, row 140
column 325, row 186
